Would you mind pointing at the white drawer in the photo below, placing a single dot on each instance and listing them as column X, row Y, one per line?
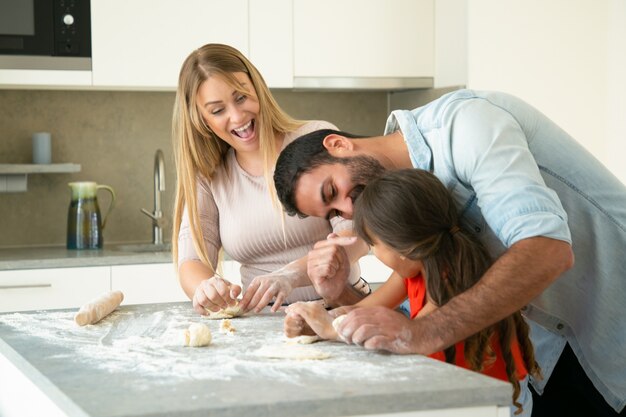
column 38, row 289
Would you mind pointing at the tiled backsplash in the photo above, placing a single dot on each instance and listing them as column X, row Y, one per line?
column 113, row 136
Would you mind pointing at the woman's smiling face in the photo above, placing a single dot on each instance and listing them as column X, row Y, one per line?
column 231, row 115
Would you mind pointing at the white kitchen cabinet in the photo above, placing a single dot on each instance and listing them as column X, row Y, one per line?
column 143, row 43
column 363, row 43
column 36, row 289
column 352, row 44
column 304, row 44
column 271, row 41
column 147, row 283
column 25, row 78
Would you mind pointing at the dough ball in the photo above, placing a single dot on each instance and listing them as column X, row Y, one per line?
column 225, row 313
column 336, row 324
column 197, row 335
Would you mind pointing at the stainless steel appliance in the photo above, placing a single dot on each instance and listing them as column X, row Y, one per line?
column 45, row 34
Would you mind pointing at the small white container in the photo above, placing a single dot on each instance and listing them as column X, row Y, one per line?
column 42, row 148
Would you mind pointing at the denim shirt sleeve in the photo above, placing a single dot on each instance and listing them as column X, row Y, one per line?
column 490, row 154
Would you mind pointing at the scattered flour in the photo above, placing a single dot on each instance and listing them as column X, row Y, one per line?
column 147, row 341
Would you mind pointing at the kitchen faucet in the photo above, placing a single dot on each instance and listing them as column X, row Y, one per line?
column 158, row 221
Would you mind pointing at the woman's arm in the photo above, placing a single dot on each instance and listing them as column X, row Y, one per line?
column 190, row 274
column 337, row 261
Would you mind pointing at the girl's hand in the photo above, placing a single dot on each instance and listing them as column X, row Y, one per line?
column 378, row 328
column 263, row 289
column 215, row 294
column 295, row 325
column 315, row 316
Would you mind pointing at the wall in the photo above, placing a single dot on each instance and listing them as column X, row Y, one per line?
column 114, row 136
column 566, row 57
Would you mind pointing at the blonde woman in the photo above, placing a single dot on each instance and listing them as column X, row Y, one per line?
column 228, row 131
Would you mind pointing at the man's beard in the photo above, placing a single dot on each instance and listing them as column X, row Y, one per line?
column 362, row 170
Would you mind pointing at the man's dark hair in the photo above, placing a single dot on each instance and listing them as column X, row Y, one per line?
column 299, row 157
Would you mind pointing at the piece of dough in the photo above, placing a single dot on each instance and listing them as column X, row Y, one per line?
column 336, row 324
column 291, row 352
column 197, row 335
column 226, row 327
column 98, row 308
column 302, row 339
column 225, row 313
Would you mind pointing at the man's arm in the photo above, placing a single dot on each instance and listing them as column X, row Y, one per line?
column 518, row 276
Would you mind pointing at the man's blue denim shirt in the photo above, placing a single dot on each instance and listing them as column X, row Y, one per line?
column 514, row 175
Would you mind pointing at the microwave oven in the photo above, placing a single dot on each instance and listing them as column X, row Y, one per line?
column 45, row 34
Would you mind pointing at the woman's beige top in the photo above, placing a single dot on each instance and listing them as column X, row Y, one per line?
column 236, row 212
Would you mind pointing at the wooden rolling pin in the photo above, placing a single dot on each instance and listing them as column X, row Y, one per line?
column 98, row 308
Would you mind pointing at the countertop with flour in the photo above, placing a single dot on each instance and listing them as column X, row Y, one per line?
column 133, row 363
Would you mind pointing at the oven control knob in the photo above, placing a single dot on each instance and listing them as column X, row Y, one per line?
column 68, row 19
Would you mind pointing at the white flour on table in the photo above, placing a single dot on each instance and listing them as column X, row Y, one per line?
column 150, row 343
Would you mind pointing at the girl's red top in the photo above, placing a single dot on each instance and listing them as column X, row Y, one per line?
column 416, row 292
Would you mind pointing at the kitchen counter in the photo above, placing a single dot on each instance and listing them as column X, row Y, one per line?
column 133, row 364
column 60, row 257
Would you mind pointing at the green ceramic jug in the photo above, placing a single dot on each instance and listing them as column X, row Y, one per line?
column 84, row 221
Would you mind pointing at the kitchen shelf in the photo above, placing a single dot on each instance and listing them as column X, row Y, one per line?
column 14, row 177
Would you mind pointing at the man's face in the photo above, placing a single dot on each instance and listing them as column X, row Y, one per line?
column 330, row 190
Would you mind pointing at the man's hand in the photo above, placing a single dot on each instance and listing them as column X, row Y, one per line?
column 328, row 266
column 215, row 294
column 378, row 328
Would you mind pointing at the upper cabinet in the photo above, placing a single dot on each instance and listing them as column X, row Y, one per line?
column 143, row 43
column 304, row 44
column 271, row 41
column 363, row 43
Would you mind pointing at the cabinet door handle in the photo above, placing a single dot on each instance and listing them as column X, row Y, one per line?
column 19, row 287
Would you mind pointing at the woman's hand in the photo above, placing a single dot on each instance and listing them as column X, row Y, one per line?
column 264, row 288
column 215, row 294
column 314, row 315
column 378, row 328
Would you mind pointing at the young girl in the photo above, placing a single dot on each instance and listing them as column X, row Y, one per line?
column 411, row 223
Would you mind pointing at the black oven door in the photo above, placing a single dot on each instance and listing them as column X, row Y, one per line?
column 45, row 28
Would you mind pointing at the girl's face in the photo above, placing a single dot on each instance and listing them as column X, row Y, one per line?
column 229, row 114
column 405, row 267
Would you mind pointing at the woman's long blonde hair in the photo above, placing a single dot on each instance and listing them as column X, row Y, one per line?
column 197, row 150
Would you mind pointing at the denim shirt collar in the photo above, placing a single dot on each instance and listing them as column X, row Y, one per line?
column 419, row 151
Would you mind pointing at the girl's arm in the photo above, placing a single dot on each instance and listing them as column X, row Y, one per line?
column 315, row 316
column 390, row 294
column 428, row 308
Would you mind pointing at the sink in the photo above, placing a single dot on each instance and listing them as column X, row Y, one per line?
column 145, row 247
